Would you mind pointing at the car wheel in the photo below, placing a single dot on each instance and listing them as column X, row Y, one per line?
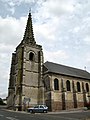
column 31, row 111
column 46, row 111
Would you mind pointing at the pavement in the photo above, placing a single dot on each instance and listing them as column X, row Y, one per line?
column 55, row 112
column 69, row 111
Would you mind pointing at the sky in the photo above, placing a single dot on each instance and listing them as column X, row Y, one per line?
column 62, row 27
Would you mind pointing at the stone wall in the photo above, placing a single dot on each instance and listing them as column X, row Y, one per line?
column 63, row 99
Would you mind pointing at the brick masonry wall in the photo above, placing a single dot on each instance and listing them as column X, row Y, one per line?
column 56, row 106
column 69, row 105
column 80, row 104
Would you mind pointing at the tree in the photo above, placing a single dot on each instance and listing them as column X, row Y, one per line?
column 1, row 102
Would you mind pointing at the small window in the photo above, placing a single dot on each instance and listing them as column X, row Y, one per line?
column 31, row 56
column 78, row 87
column 68, row 85
column 87, row 87
column 56, row 84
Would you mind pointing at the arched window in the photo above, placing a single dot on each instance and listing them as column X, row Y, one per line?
column 56, row 84
column 31, row 56
column 78, row 87
column 87, row 87
column 68, row 85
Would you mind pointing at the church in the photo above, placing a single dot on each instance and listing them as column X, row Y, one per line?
column 34, row 82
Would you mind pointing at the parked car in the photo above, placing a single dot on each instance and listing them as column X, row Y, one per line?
column 38, row 109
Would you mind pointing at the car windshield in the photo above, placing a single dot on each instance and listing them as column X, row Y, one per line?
column 44, row 105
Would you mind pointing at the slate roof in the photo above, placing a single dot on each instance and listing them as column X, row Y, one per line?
column 66, row 70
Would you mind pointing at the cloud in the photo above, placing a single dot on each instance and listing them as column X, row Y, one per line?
column 58, row 7
column 3, row 94
column 56, row 56
column 4, row 77
column 11, row 30
column 13, row 3
column 13, row 7
column 12, row 10
column 5, row 60
column 88, row 57
column 62, row 6
column 87, row 39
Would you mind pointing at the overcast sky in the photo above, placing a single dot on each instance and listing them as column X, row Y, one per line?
column 62, row 27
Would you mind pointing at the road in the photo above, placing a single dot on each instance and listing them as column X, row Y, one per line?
column 12, row 115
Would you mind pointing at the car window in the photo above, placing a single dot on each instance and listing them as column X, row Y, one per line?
column 41, row 107
column 36, row 107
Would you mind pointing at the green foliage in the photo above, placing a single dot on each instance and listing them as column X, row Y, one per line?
column 1, row 102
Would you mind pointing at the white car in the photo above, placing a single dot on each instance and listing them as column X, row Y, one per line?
column 38, row 109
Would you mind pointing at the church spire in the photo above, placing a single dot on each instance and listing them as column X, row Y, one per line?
column 28, row 35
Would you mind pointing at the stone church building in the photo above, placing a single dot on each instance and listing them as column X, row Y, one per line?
column 34, row 82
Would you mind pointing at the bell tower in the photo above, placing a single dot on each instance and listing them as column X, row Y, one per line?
column 29, row 89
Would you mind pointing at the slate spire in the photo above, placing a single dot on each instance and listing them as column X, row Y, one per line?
column 28, row 35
